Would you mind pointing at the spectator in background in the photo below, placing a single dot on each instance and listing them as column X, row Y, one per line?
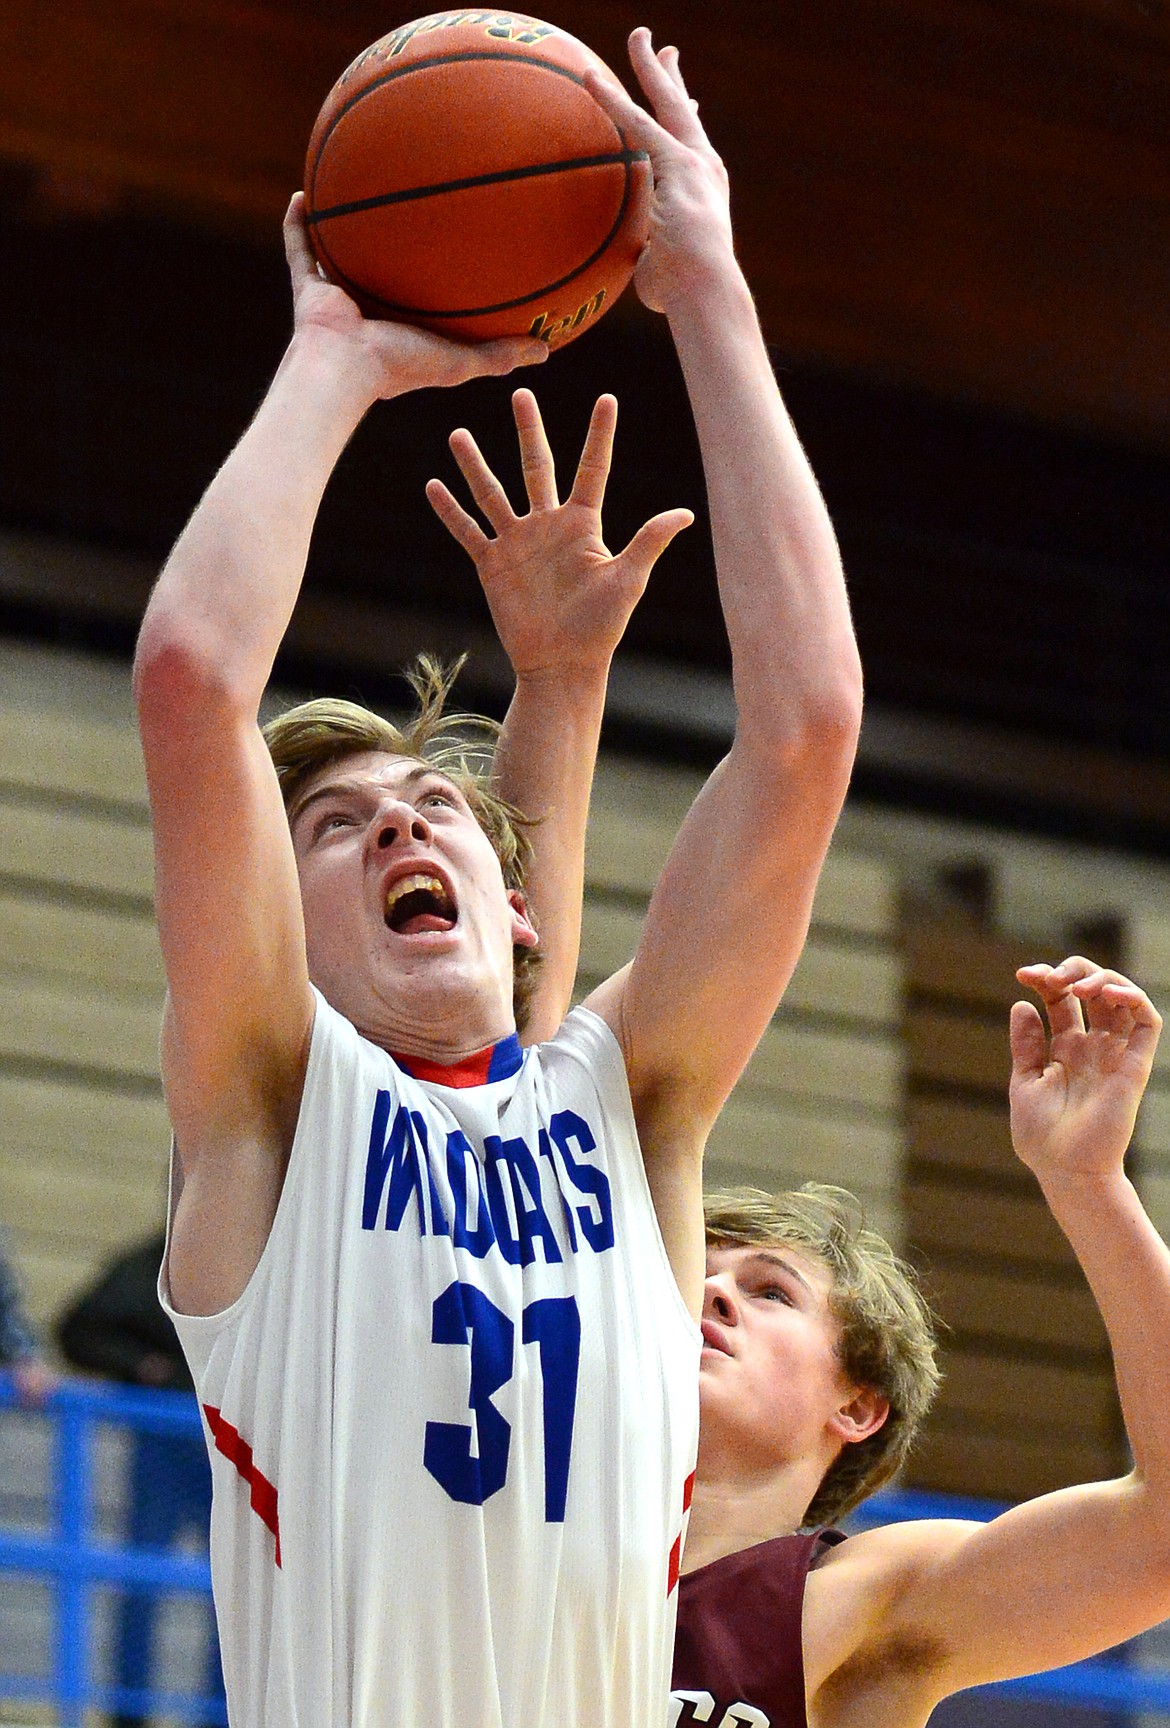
column 117, row 1328
column 18, row 1346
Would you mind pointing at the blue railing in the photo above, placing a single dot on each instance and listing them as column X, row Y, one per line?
column 74, row 1561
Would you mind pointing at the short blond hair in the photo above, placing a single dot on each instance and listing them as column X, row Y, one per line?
column 311, row 736
column 887, row 1333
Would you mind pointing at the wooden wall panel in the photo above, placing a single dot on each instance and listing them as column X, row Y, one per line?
column 1015, row 1465
column 959, row 1135
column 938, row 1215
column 1028, row 1401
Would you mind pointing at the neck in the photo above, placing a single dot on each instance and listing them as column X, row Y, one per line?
column 429, row 1022
column 723, row 1523
column 737, row 1507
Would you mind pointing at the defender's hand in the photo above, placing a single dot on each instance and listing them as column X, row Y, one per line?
column 559, row 599
column 1075, row 1091
column 395, row 357
column 690, row 217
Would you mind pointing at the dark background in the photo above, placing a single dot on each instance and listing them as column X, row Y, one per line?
column 955, row 217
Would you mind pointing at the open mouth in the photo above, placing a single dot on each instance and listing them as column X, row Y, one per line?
column 419, row 903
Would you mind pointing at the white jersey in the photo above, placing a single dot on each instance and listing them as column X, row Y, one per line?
column 452, row 1417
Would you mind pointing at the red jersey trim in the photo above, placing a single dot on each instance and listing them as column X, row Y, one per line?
column 497, row 1062
column 237, row 1451
column 675, row 1561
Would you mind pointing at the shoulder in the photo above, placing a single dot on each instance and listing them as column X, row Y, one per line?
column 585, row 1041
column 856, row 1623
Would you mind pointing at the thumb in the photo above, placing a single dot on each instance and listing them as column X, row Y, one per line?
column 503, row 354
column 653, row 537
column 302, row 263
column 1029, row 1043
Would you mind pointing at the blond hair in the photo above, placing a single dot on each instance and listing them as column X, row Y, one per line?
column 886, row 1336
column 313, row 735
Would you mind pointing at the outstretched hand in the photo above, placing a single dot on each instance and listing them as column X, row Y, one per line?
column 690, row 217
column 1075, row 1089
column 395, row 357
column 559, row 599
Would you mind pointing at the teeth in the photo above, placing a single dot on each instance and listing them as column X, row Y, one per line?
column 412, row 885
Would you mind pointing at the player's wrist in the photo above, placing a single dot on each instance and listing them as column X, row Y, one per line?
column 570, row 679
column 330, row 366
column 1081, row 1189
column 706, row 282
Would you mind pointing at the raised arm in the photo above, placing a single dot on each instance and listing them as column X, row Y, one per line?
column 730, row 913
column 1071, row 1573
column 560, row 602
column 227, row 900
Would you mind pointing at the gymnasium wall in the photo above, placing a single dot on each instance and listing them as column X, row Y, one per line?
column 885, row 1068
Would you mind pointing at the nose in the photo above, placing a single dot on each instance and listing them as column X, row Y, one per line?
column 719, row 1299
column 397, row 820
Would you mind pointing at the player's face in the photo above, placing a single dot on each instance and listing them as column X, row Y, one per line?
column 770, row 1379
column 409, row 928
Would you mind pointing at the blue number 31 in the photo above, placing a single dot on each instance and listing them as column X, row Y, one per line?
column 464, row 1315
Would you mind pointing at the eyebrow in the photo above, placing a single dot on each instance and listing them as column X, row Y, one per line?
column 767, row 1258
column 351, row 788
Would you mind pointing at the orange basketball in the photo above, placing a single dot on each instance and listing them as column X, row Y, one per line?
column 460, row 176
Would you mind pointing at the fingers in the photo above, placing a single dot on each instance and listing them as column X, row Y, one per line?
column 456, row 520
column 449, row 362
column 669, row 58
column 589, row 482
column 652, row 539
column 302, row 263
column 495, row 359
column 662, row 82
column 1028, row 1040
column 1079, row 987
column 536, row 458
column 636, row 126
column 1063, row 1008
column 674, row 116
column 481, row 482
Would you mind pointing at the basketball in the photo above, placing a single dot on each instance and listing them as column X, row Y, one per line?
column 461, row 177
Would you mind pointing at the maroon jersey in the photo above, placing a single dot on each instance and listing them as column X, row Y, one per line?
column 738, row 1659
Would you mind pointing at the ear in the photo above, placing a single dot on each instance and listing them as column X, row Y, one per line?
column 863, row 1414
column 523, row 929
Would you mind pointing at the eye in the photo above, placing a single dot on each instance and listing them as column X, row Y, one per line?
column 330, row 822
column 775, row 1293
column 445, row 800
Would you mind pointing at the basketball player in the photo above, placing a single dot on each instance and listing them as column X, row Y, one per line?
column 440, row 1295
column 816, row 1344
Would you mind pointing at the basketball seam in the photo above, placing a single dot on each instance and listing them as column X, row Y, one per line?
column 529, row 170
column 448, row 60
column 363, row 295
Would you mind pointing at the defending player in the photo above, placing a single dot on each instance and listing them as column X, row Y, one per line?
column 815, row 1342
column 404, row 1254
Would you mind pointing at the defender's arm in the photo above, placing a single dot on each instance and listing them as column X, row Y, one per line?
column 1073, row 1572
